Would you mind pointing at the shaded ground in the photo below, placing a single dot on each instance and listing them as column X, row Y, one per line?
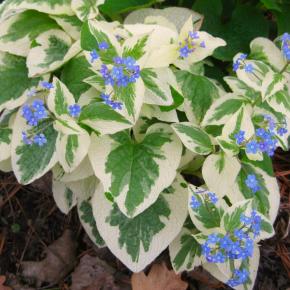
column 30, row 221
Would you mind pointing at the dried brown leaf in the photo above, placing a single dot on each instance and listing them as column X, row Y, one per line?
column 159, row 278
column 59, row 261
column 93, row 274
column 2, row 281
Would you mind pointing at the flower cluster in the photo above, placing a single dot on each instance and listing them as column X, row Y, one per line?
column 265, row 139
column 286, row 45
column 190, row 44
column 209, row 197
column 218, row 248
column 253, row 183
column 33, row 114
column 240, row 64
column 124, row 72
column 239, row 277
column 114, row 104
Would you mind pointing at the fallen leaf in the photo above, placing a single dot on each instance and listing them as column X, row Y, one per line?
column 59, row 261
column 93, row 274
column 159, row 278
column 2, row 281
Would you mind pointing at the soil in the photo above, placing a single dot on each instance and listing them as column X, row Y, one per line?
column 30, row 221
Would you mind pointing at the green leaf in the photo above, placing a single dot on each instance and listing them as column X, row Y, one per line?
column 271, row 5
column 111, row 7
column 236, row 31
column 85, row 9
column 178, row 100
column 73, row 75
column 194, row 138
column 134, row 172
column 282, row 18
column 14, row 79
column 199, row 92
column 138, row 241
column 5, row 134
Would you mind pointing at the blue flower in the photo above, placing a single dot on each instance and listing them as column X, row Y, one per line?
column 252, row 147
column 261, row 132
column 195, row 203
column 202, row 44
column 286, row 45
column 184, row 51
column 103, row 45
column 249, row 68
column 213, row 198
column 47, row 85
column 239, row 277
column 94, row 55
column 129, row 62
column 25, row 139
column 31, row 93
column 282, row 131
column 74, row 110
column 240, row 137
column 40, row 140
column 243, row 56
column 236, row 65
column 118, row 60
column 193, row 34
column 252, row 183
column 117, row 73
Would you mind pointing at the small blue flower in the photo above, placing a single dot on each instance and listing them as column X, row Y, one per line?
column 103, row 45
column 239, row 277
column 118, row 60
column 249, row 68
column 25, row 139
column 117, row 72
column 193, row 34
column 74, row 110
column 286, row 45
column 240, row 137
column 129, row 62
column 195, row 203
column 47, row 85
column 243, row 56
column 202, row 44
column 40, row 140
column 252, row 183
column 213, row 198
column 94, row 55
column 252, row 147
column 236, row 65
column 184, row 51
column 213, row 238
column 282, row 131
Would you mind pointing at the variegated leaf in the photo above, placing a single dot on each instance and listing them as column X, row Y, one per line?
column 207, row 216
column 71, row 150
column 14, row 81
column 138, row 241
column 193, row 138
column 136, row 173
column 103, row 119
column 86, row 9
column 20, row 30
column 219, row 172
column 30, row 162
column 54, row 48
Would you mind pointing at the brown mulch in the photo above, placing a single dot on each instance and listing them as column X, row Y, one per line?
column 30, row 221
